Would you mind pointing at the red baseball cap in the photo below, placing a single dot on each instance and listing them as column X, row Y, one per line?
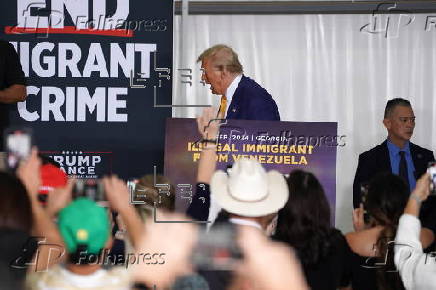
column 51, row 178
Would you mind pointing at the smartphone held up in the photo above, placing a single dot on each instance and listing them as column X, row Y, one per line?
column 18, row 146
column 431, row 170
column 92, row 189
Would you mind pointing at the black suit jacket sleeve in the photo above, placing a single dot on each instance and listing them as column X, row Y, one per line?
column 362, row 176
column 370, row 163
column 199, row 207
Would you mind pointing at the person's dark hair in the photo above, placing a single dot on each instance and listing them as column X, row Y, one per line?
column 15, row 227
column 15, row 206
column 154, row 191
column 17, row 249
column 304, row 222
column 391, row 104
column 385, row 201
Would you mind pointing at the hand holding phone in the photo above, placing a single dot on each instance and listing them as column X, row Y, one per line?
column 18, row 146
column 90, row 188
column 431, row 170
column 217, row 249
column 364, row 194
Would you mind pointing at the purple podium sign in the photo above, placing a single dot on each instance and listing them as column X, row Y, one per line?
column 283, row 146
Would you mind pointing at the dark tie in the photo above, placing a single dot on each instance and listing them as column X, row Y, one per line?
column 403, row 169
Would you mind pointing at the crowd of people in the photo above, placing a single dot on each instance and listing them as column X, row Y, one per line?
column 280, row 226
column 272, row 231
column 68, row 242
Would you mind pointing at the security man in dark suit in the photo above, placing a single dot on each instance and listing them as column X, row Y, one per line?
column 241, row 97
column 397, row 155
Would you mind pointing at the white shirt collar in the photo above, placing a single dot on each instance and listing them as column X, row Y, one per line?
column 244, row 222
column 231, row 89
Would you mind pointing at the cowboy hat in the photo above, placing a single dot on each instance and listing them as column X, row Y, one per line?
column 248, row 190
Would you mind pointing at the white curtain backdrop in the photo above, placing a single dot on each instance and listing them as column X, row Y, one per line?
column 323, row 68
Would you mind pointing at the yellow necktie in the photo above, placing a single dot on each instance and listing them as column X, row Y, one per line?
column 223, row 107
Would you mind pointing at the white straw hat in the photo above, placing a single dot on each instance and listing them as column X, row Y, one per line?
column 248, row 190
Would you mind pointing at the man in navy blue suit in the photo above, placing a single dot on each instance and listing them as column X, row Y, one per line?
column 241, row 97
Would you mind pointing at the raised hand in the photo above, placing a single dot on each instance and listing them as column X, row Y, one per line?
column 358, row 220
column 29, row 174
column 208, row 125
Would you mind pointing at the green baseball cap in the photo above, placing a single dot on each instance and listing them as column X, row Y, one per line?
column 83, row 222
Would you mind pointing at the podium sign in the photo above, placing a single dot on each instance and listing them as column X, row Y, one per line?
column 283, row 146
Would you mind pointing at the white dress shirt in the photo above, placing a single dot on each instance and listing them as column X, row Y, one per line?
column 417, row 269
column 214, row 208
column 231, row 90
